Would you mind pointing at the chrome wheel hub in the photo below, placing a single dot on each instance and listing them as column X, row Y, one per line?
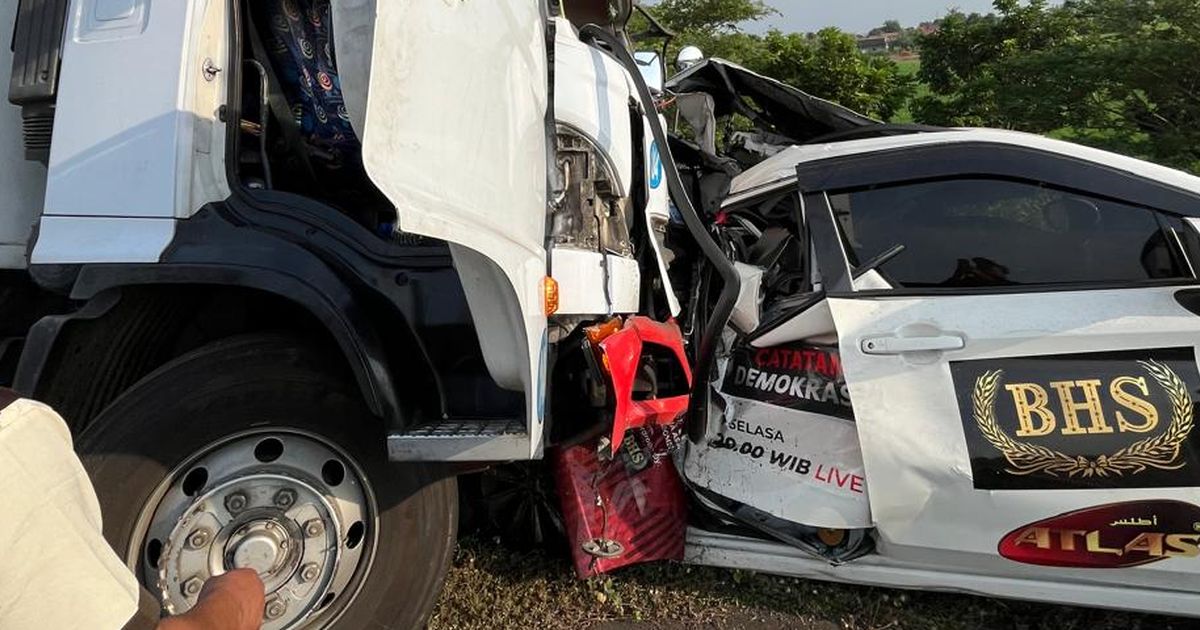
column 289, row 506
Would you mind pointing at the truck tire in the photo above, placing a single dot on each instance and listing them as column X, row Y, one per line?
column 251, row 452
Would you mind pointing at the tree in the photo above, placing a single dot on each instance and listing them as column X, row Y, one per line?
column 889, row 26
column 826, row 64
column 710, row 17
column 830, row 66
column 1111, row 73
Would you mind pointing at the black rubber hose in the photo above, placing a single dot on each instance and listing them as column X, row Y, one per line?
column 719, row 316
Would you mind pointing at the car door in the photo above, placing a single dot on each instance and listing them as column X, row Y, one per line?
column 1023, row 368
column 785, row 441
column 456, row 137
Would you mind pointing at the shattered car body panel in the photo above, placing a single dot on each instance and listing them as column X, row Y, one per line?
column 624, row 354
column 786, row 443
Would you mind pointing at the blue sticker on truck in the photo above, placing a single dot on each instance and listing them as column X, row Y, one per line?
column 656, row 166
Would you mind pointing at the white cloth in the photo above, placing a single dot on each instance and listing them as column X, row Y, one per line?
column 56, row 569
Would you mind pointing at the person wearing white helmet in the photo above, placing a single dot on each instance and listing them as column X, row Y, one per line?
column 688, row 57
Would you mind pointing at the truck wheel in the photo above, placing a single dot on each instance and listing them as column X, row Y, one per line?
column 249, row 452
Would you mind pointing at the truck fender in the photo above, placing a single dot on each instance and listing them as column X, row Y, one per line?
column 284, row 270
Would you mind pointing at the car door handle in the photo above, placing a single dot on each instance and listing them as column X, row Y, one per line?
column 891, row 344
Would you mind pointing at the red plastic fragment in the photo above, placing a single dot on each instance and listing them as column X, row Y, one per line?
column 621, row 354
column 632, row 504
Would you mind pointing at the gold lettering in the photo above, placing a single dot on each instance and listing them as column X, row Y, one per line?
column 1149, row 542
column 1026, row 407
column 1094, row 546
column 1090, row 404
column 1038, row 536
column 1066, row 538
column 1183, row 545
column 1133, row 403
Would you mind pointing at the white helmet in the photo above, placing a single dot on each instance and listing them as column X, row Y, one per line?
column 688, row 57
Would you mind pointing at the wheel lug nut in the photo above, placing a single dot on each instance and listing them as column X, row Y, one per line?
column 274, row 608
column 199, row 538
column 309, row 572
column 235, row 502
column 314, row 528
column 192, row 586
column 285, row 498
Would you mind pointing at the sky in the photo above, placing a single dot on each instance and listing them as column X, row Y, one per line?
column 859, row 16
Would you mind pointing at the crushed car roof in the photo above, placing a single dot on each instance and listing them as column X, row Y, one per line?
column 772, row 104
column 780, row 169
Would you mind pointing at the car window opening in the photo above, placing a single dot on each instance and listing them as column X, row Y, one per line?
column 977, row 232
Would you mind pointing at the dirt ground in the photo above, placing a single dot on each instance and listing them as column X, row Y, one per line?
column 492, row 587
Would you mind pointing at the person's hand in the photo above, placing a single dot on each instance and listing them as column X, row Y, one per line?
column 230, row 601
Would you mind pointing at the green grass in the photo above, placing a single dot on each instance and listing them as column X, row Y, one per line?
column 909, row 68
column 493, row 587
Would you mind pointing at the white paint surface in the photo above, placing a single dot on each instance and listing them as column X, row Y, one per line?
column 455, row 137
column 67, row 240
column 581, row 276
column 591, row 94
column 128, row 122
column 808, row 495
column 1029, row 583
column 780, row 169
column 658, row 210
column 923, row 499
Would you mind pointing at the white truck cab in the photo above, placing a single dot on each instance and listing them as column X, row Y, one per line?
column 411, row 208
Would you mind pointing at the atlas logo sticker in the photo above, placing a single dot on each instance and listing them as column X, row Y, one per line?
column 656, row 166
column 1115, row 420
column 1112, row 536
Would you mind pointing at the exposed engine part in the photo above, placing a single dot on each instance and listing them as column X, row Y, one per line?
column 561, row 326
column 588, row 212
column 516, row 503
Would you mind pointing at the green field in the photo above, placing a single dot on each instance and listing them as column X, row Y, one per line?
column 909, row 67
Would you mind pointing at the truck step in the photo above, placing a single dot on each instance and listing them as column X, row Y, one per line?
column 462, row 440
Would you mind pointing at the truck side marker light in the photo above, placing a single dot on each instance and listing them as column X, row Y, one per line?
column 549, row 295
